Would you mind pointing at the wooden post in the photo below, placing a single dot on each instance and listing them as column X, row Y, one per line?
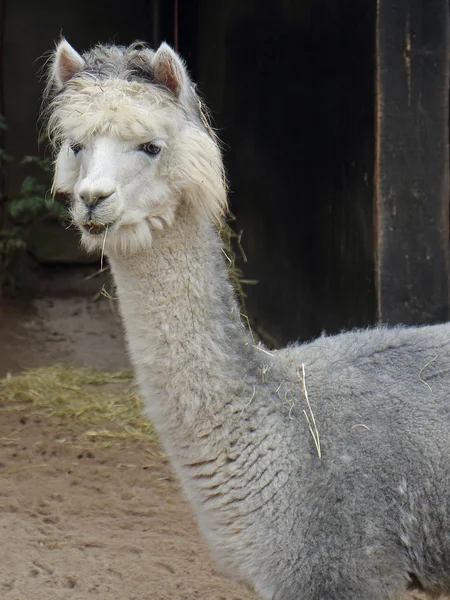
column 412, row 161
column 2, row 136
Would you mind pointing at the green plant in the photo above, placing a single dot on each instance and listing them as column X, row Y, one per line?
column 32, row 204
column 34, row 201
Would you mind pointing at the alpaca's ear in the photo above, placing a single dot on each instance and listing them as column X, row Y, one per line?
column 170, row 70
column 66, row 64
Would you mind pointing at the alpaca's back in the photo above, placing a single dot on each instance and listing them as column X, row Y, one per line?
column 374, row 509
column 388, row 385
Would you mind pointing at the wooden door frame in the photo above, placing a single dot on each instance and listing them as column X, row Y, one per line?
column 412, row 161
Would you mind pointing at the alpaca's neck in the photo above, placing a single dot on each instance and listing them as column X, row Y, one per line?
column 188, row 345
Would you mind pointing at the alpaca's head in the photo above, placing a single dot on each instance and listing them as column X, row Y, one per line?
column 132, row 142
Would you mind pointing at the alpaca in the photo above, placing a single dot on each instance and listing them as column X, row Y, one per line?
column 320, row 471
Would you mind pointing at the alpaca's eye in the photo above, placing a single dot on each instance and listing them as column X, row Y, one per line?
column 76, row 148
column 150, row 149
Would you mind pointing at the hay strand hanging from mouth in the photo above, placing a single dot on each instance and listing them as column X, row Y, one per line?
column 103, row 248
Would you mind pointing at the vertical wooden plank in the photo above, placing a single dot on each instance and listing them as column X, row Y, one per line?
column 2, row 133
column 412, row 161
column 291, row 87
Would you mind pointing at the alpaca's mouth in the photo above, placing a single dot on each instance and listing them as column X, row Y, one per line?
column 95, row 227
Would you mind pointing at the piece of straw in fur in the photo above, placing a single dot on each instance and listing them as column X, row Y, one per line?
column 310, row 419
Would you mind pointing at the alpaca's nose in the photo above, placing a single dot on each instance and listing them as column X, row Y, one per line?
column 94, row 195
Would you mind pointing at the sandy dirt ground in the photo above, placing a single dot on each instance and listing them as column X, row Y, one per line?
column 81, row 522
column 69, row 330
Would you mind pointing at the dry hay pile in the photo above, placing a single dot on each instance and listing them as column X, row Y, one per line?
column 105, row 404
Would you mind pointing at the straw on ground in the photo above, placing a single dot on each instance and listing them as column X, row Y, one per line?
column 105, row 403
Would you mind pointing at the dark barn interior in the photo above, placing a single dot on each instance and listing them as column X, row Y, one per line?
column 335, row 136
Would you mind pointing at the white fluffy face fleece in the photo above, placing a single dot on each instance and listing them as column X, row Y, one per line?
column 132, row 144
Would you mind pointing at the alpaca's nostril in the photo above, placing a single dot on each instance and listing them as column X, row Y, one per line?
column 94, row 199
column 101, row 198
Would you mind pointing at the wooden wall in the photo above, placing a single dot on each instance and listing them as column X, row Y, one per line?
column 335, row 119
column 292, row 89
